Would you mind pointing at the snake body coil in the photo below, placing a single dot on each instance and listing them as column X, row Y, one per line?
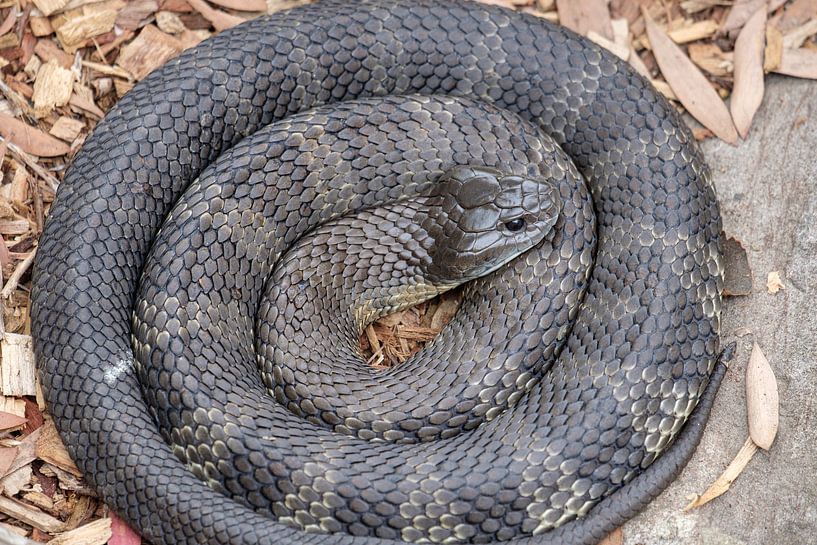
column 191, row 306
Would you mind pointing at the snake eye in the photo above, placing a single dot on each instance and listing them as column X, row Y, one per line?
column 515, row 225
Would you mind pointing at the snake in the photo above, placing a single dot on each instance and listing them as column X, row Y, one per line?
column 236, row 221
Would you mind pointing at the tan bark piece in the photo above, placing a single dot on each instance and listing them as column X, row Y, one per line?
column 17, row 372
column 50, row 6
column 76, row 30
column 711, row 58
column 67, row 128
column 762, row 402
column 40, row 26
column 221, row 20
column 31, row 516
column 52, row 88
column 747, row 93
column 97, row 532
column 692, row 88
column 242, row 5
column 51, row 449
column 47, row 50
column 151, row 49
column 169, row 22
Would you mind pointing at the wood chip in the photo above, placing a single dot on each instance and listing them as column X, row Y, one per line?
column 774, row 283
column 17, row 371
column 73, row 34
column 747, row 93
column 135, row 13
column 33, row 66
column 169, row 22
column 582, row 16
column 221, row 21
column 762, row 404
column 800, row 63
column 242, row 5
column 691, row 87
column 151, row 49
column 51, row 449
column 50, row 6
column 40, row 26
column 797, row 13
column 726, row 478
column 16, row 480
column 7, row 456
column 52, row 88
column 13, row 405
column 31, row 516
column 67, row 128
column 48, row 50
column 773, row 53
column 10, row 20
column 94, row 533
column 710, row 58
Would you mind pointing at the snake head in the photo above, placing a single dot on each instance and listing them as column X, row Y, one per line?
column 483, row 218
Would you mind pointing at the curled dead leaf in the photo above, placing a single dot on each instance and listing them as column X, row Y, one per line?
column 761, row 399
column 30, row 139
column 747, row 93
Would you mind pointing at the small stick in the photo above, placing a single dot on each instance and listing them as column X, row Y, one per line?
column 18, row 273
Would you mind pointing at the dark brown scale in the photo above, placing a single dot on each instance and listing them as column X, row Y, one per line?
column 237, row 127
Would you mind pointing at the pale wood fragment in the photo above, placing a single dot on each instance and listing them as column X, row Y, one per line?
column 48, row 50
column 221, row 20
column 31, row 516
column 40, row 26
column 52, row 88
column 169, row 22
column 747, row 93
column 795, row 38
column 50, row 6
column 97, row 532
column 692, row 88
column 151, row 49
column 51, row 449
column 774, row 283
column 33, row 66
column 16, row 480
column 13, row 405
column 17, row 370
column 761, row 399
column 711, row 58
column 73, row 34
column 135, row 12
column 242, row 5
column 67, row 128
column 622, row 52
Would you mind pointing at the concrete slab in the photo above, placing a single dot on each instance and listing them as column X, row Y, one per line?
column 768, row 192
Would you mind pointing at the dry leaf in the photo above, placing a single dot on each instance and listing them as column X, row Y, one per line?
column 221, row 21
column 800, row 63
column 747, row 93
column 582, row 16
column 761, row 399
column 10, row 421
column 691, row 87
column 30, row 139
column 742, row 10
column 726, row 478
column 51, row 449
column 620, row 51
column 10, row 20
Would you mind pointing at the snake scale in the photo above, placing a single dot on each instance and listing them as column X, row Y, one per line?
column 236, row 219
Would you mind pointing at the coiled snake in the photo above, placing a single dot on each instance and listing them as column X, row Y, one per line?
column 238, row 216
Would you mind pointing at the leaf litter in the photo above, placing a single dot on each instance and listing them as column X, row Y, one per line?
column 63, row 63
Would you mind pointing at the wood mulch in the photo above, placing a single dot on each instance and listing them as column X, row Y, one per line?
column 64, row 63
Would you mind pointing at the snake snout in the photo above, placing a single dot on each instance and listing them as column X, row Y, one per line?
column 487, row 218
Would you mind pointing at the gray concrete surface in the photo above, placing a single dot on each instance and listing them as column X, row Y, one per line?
column 768, row 192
